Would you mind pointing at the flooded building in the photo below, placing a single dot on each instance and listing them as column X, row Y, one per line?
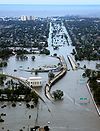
column 35, row 81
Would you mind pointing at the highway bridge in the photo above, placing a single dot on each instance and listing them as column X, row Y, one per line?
column 72, row 62
column 56, row 78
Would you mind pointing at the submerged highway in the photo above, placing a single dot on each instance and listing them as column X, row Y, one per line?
column 76, row 112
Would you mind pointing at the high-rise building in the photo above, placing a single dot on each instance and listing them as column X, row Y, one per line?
column 24, row 18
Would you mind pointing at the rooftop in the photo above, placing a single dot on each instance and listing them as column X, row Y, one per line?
column 34, row 78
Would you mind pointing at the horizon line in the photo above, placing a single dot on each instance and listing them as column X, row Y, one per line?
column 55, row 4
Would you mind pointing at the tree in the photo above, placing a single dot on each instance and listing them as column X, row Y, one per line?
column 33, row 58
column 46, row 128
column 84, row 75
column 88, row 72
column 84, row 66
column 55, row 54
column 97, row 96
column 51, row 75
column 3, row 64
column 45, row 51
column 2, row 78
column 58, row 94
column 1, row 120
column 35, row 98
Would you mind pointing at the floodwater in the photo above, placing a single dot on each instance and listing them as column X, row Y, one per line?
column 20, row 66
column 76, row 112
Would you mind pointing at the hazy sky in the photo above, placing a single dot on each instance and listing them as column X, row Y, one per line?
column 49, row 1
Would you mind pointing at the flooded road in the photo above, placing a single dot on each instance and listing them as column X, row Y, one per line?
column 76, row 112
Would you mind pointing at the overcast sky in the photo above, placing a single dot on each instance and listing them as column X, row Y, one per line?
column 50, row 2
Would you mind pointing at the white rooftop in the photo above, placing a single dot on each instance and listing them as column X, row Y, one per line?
column 35, row 78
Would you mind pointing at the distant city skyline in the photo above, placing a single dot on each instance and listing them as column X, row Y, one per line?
column 67, row 2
